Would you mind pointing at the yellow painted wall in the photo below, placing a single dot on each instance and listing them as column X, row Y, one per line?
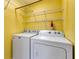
column 69, row 19
column 11, row 25
column 37, row 8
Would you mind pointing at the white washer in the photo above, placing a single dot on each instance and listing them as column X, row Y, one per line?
column 21, row 44
column 51, row 45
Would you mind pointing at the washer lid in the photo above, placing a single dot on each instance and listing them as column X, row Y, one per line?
column 52, row 39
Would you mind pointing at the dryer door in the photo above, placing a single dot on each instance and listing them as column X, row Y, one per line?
column 43, row 51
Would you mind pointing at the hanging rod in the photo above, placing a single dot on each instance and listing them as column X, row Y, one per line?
column 28, row 4
column 43, row 20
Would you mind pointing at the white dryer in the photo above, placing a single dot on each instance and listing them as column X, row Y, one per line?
column 51, row 45
column 21, row 44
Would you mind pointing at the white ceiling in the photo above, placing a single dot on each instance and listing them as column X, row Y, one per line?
column 20, row 3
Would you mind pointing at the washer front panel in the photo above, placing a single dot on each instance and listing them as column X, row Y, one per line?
column 21, row 48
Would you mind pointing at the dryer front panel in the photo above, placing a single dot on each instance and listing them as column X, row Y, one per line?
column 43, row 51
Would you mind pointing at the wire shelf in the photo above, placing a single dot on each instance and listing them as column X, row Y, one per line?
column 34, row 16
column 43, row 20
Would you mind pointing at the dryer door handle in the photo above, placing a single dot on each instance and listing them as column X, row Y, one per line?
column 36, row 53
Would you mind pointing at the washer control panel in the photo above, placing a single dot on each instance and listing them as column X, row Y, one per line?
column 31, row 31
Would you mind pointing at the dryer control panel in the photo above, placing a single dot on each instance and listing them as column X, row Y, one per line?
column 51, row 33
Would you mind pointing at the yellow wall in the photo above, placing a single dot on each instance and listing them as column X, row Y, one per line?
column 69, row 19
column 11, row 26
column 41, row 6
